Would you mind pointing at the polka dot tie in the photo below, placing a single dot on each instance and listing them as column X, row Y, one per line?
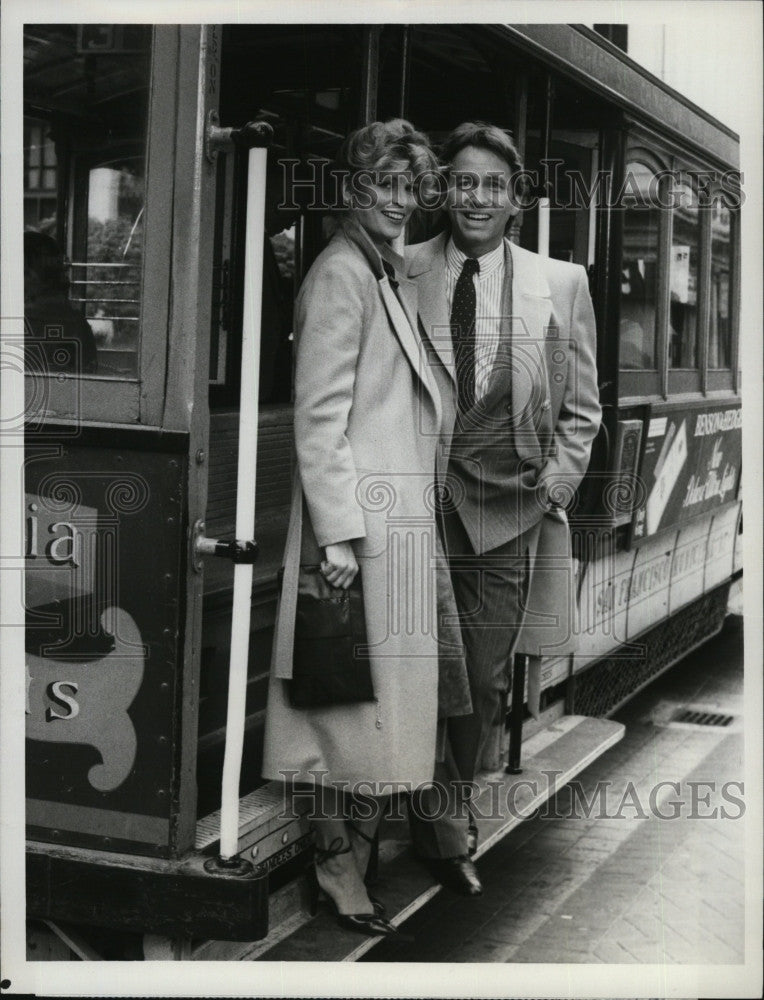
column 463, row 333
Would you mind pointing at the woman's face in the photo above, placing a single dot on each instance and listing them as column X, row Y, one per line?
column 382, row 200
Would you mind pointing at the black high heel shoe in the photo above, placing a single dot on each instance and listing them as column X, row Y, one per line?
column 365, row 923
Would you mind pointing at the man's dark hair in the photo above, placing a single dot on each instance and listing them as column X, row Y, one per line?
column 484, row 136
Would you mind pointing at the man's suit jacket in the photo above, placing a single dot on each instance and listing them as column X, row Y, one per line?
column 535, row 424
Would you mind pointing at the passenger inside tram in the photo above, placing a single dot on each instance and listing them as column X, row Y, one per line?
column 58, row 338
column 278, row 278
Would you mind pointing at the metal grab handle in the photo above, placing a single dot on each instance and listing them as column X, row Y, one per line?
column 253, row 135
column 241, row 552
column 231, row 548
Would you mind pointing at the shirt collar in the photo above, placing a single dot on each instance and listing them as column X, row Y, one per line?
column 489, row 262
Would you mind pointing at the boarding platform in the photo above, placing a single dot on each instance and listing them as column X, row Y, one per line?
column 554, row 754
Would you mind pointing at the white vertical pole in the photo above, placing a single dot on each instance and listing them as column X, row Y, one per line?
column 245, row 501
column 543, row 240
column 591, row 247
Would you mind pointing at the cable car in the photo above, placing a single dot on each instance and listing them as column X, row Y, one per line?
column 174, row 178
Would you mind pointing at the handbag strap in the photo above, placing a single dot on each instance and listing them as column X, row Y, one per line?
column 283, row 641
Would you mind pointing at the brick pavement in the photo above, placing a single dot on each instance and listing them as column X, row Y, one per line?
column 628, row 887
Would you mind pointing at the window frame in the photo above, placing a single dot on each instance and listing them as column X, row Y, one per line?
column 683, row 381
column 649, row 382
column 665, row 383
column 724, row 379
column 138, row 399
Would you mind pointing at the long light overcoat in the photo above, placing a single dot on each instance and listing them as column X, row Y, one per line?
column 368, row 425
column 542, row 405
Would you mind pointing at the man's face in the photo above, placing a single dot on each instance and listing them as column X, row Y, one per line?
column 479, row 200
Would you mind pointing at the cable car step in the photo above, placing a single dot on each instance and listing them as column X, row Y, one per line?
column 551, row 758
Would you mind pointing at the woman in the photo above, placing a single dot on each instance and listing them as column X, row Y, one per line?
column 368, row 417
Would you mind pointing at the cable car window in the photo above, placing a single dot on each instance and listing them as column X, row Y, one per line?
column 453, row 76
column 574, row 159
column 720, row 317
column 683, row 279
column 86, row 103
column 304, row 82
column 394, row 71
column 566, row 168
column 639, row 269
column 452, row 81
column 40, row 173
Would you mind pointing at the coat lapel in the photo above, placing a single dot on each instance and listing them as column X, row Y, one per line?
column 409, row 341
column 427, row 266
column 401, row 312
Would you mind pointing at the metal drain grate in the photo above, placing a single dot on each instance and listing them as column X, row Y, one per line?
column 694, row 717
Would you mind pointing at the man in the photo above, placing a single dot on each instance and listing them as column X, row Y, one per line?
column 515, row 332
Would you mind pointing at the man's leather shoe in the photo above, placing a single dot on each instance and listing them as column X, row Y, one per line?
column 459, row 874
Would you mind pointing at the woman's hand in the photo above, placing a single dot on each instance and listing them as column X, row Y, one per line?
column 340, row 566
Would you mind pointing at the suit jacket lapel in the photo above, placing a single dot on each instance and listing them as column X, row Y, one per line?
column 531, row 305
column 530, row 311
column 428, row 268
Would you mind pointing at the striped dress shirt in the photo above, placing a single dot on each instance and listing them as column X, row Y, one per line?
column 489, row 289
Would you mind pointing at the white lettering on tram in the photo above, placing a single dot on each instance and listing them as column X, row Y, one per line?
column 713, row 485
column 721, row 420
column 62, row 549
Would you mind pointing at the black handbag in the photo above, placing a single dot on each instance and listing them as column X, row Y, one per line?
column 331, row 664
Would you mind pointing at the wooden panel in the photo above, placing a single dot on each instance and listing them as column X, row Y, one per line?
column 82, row 397
column 147, row 896
column 737, row 558
column 102, row 771
column 721, row 547
column 687, row 565
column 213, row 694
column 155, row 277
column 649, row 586
column 603, row 606
column 274, row 468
